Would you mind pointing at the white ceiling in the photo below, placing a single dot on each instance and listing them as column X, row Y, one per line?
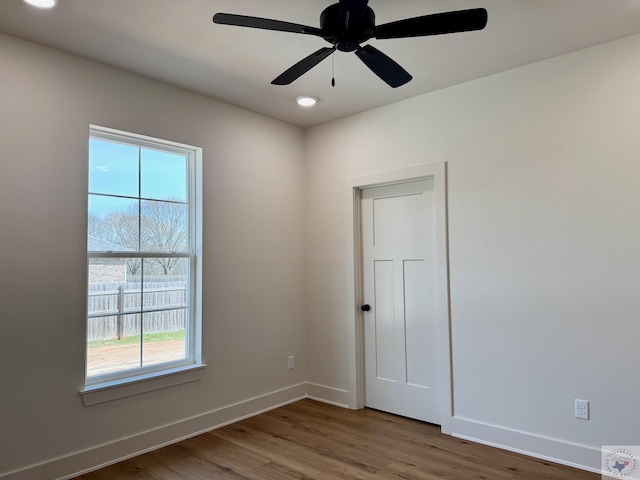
column 176, row 41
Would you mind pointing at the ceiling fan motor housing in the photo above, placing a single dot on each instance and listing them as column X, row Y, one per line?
column 347, row 31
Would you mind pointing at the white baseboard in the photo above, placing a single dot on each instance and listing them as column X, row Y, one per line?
column 66, row 467
column 571, row 454
column 94, row 458
column 333, row 396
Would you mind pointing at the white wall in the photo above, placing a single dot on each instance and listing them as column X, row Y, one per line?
column 254, row 272
column 544, row 191
column 544, row 235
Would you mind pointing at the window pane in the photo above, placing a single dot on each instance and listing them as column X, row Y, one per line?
column 113, row 330
column 113, row 224
column 106, row 353
column 164, row 299
column 164, row 339
column 113, row 168
column 163, row 175
column 163, row 227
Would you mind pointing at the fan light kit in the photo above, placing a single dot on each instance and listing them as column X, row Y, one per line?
column 42, row 3
column 349, row 23
column 306, row 101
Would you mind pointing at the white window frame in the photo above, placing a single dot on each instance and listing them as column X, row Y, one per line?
column 105, row 387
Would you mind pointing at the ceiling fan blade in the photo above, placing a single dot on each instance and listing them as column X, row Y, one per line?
column 436, row 24
column 383, row 66
column 303, row 66
column 264, row 23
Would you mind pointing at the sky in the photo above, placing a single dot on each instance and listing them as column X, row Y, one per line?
column 118, row 170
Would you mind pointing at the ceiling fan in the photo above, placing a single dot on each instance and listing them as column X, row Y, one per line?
column 349, row 23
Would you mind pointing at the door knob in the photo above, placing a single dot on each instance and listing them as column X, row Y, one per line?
column 366, row 307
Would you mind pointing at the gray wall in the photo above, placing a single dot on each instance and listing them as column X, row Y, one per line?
column 254, row 283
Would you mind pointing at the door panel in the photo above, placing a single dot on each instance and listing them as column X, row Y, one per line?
column 416, row 333
column 385, row 318
column 400, row 284
column 391, row 229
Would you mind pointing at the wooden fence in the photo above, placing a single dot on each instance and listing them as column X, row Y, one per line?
column 114, row 309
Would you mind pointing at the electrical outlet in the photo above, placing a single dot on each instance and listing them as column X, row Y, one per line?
column 291, row 362
column 582, row 409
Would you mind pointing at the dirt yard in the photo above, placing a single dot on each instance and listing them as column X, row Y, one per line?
column 117, row 357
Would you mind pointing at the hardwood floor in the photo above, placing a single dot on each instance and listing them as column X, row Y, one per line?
column 311, row 440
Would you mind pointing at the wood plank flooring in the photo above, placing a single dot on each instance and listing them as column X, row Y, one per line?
column 311, row 440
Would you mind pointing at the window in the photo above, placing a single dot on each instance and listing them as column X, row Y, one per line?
column 143, row 248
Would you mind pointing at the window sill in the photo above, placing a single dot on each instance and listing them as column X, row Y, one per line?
column 105, row 392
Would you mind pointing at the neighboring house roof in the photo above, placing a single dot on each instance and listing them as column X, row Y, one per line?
column 97, row 245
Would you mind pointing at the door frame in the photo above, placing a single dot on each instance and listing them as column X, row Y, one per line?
column 355, row 318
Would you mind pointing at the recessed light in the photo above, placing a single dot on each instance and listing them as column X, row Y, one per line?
column 306, row 101
column 42, row 3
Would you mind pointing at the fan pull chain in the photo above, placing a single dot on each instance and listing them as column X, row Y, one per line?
column 333, row 69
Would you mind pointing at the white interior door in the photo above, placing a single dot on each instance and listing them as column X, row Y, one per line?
column 400, row 286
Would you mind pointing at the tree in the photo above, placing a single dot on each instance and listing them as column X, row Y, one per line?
column 164, row 228
column 160, row 226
